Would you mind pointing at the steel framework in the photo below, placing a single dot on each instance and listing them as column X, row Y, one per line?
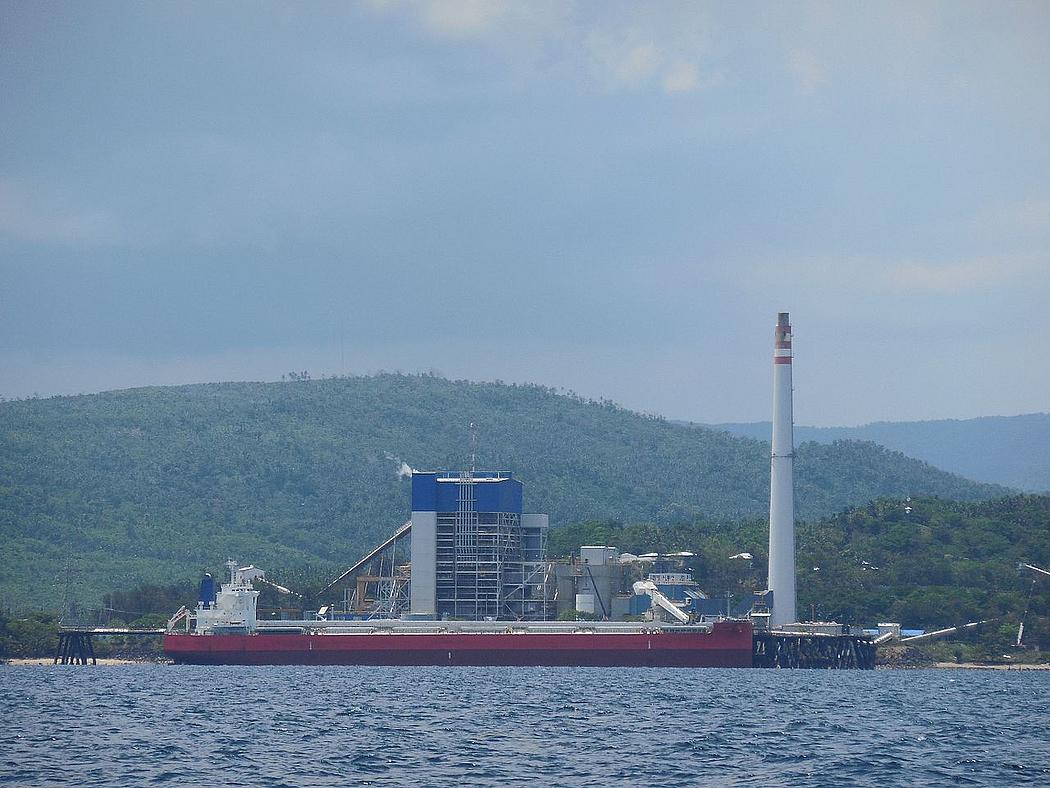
column 789, row 650
column 489, row 566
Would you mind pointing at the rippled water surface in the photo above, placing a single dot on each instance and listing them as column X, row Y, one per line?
column 145, row 724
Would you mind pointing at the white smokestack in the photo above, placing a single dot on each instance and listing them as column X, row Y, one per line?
column 782, row 482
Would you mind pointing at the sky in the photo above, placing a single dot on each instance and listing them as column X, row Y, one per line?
column 611, row 198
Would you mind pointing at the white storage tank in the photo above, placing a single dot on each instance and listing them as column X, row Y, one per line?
column 585, row 603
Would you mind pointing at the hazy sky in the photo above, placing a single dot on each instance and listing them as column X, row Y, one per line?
column 613, row 198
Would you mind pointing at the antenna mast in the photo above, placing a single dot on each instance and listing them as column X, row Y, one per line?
column 473, row 447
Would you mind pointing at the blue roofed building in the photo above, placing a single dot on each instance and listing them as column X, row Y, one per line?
column 475, row 553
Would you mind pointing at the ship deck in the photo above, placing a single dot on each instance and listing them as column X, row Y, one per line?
column 403, row 627
column 721, row 644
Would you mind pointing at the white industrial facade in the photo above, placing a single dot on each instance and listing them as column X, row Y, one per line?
column 424, row 563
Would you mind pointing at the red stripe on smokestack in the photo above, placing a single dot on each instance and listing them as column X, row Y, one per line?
column 782, row 359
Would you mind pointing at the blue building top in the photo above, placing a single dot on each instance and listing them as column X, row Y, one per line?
column 494, row 491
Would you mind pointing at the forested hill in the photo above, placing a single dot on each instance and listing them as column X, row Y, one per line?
column 1008, row 450
column 925, row 563
column 103, row 491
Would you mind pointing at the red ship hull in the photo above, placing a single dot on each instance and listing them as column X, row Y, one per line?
column 727, row 645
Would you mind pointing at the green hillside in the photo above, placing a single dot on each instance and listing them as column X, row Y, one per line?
column 1008, row 450
column 104, row 491
column 926, row 562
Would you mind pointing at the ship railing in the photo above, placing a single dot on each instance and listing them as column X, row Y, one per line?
column 377, row 627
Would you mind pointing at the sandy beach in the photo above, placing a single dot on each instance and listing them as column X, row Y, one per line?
column 43, row 661
column 974, row 665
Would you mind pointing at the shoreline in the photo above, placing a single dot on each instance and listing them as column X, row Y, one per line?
column 110, row 661
column 979, row 666
column 966, row 666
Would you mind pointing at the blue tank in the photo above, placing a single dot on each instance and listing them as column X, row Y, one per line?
column 207, row 594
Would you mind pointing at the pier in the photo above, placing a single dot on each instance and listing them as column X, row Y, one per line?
column 769, row 649
column 75, row 646
column 812, row 650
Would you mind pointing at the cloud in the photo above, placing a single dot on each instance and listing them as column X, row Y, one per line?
column 634, row 67
column 614, row 46
column 462, row 18
column 685, row 77
column 636, row 57
column 1034, row 214
column 965, row 275
column 1026, row 217
column 476, row 19
column 808, row 72
column 34, row 213
column 681, row 77
column 894, row 283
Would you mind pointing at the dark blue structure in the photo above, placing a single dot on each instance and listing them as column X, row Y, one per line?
column 475, row 553
column 208, row 591
column 494, row 491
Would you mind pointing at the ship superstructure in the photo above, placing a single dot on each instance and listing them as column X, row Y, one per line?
column 224, row 629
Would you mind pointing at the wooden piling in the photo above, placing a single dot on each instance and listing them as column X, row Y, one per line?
column 75, row 648
column 801, row 650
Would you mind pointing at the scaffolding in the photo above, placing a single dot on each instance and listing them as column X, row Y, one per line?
column 489, row 566
column 377, row 586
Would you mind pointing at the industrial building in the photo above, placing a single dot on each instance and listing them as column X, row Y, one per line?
column 475, row 553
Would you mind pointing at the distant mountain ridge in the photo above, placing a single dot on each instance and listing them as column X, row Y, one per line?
column 103, row 491
column 1007, row 450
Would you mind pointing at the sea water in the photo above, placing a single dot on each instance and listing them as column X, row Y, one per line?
column 272, row 726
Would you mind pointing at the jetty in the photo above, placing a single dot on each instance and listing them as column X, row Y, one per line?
column 75, row 646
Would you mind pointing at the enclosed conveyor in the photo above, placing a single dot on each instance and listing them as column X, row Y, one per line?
column 648, row 587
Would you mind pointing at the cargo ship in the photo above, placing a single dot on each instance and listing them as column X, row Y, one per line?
column 224, row 630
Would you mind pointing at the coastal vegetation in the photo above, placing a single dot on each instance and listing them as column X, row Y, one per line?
column 926, row 563
column 32, row 635
column 157, row 485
